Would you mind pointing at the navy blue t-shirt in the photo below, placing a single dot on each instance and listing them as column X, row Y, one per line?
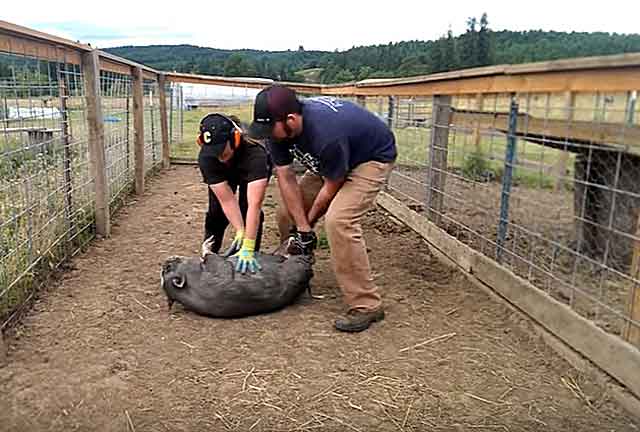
column 337, row 136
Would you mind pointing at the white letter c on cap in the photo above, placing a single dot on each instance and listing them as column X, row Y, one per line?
column 206, row 137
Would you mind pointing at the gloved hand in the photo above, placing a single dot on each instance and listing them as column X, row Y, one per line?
column 236, row 244
column 246, row 258
column 302, row 243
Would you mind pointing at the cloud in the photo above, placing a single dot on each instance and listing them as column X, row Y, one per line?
column 112, row 36
column 231, row 25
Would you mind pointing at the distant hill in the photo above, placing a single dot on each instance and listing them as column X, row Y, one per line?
column 478, row 46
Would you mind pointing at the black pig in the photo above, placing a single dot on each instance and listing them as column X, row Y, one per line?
column 212, row 287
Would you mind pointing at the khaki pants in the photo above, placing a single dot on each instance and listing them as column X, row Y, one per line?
column 342, row 223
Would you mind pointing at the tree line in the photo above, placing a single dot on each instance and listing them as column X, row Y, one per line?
column 477, row 46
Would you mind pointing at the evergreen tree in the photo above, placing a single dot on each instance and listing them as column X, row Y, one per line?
column 484, row 42
column 478, row 46
column 449, row 55
column 468, row 54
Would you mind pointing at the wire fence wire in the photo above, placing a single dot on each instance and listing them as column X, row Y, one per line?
column 46, row 191
column 191, row 102
column 152, row 132
column 553, row 194
column 47, row 183
column 175, row 115
column 117, row 110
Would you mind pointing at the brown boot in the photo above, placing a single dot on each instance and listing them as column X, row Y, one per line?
column 357, row 320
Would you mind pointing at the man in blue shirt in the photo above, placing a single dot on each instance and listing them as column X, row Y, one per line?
column 349, row 154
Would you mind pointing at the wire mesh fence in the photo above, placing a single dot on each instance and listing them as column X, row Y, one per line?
column 175, row 115
column 546, row 184
column 192, row 102
column 117, row 108
column 47, row 179
column 152, row 133
column 46, row 202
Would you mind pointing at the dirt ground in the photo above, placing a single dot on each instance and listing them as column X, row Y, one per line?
column 100, row 352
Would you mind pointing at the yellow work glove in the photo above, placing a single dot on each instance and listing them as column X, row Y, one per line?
column 235, row 244
column 246, row 258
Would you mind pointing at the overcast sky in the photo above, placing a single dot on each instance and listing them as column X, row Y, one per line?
column 318, row 25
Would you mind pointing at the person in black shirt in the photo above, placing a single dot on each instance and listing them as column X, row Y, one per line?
column 231, row 161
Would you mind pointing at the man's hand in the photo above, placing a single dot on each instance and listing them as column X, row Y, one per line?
column 326, row 194
column 302, row 243
column 246, row 258
column 236, row 244
column 292, row 196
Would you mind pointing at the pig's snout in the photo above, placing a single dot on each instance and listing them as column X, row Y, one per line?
column 171, row 273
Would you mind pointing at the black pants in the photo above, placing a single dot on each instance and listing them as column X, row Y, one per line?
column 216, row 221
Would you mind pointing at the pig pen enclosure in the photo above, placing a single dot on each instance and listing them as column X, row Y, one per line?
column 518, row 183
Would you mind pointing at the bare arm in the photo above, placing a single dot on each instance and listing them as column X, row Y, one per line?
column 255, row 195
column 292, row 196
column 229, row 204
column 324, row 198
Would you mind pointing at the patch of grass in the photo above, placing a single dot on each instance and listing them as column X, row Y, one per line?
column 188, row 149
column 484, row 160
column 323, row 241
column 310, row 75
column 477, row 168
column 34, row 225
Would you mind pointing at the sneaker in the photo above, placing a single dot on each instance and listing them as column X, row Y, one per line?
column 358, row 320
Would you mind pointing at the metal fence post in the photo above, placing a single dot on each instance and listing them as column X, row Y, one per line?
column 181, row 111
column 438, row 155
column 171, row 108
column 390, row 114
column 153, row 129
column 95, row 120
column 128, row 138
column 66, row 146
column 507, row 178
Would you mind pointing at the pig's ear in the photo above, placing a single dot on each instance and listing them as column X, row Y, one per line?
column 178, row 281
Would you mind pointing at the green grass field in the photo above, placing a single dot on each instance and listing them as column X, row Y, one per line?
column 188, row 149
column 533, row 165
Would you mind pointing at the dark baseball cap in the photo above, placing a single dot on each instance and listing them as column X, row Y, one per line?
column 272, row 104
column 215, row 131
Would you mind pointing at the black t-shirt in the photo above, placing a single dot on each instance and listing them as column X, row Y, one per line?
column 250, row 162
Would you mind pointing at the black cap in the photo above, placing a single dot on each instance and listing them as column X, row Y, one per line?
column 272, row 104
column 215, row 131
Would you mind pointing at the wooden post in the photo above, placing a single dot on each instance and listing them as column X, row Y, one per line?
column 163, row 121
column 95, row 120
column 477, row 136
column 560, row 168
column 438, row 155
column 631, row 107
column 138, row 128
column 632, row 332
